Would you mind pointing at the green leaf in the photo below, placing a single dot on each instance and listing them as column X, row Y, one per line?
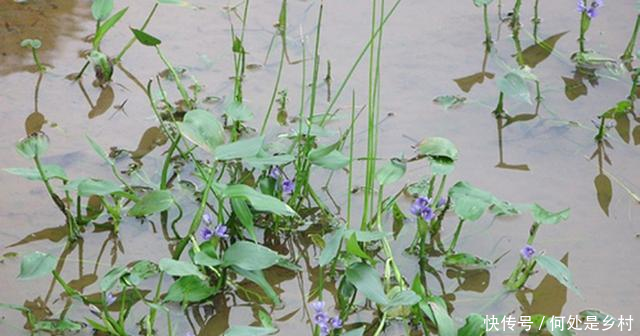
column 142, row 270
column 50, row 172
column 258, row 278
column 354, row 249
column 258, row 200
column 90, row 187
column 242, row 211
column 189, row 289
column 145, row 39
column 249, row 331
column 400, row 298
column 469, row 202
column 112, row 278
column 58, row 326
column 442, row 319
column 100, row 9
column 466, row 261
column 558, row 270
column 33, row 145
column 35, row 265
column 153, row 202
column 474, row 326
column 204, row 259
column 328, row 157
column 450, row 102
column 513, row 85
column 180, row 268
column 238, row 111
column 480, row 3
column 441, row 152
column 203, row 129
column 391, row 172
column 543, row 216
column 249, row 256
column 367, row 281
column 106, row 26
column 332, row 247
column 101, row 153
column 355, row 332
column 31, row 43
column 239, row 150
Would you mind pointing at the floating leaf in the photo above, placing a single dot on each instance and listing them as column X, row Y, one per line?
column 513, row 85
column 189, row 289
column 258, row 200
column 89, row 187
column 145, row 39
column 558, row 270
column 367, row 281
column 203, row 129
column 249, row 331
column 449, row 102
column 466, row 261
column 31, row 43
column 239, row 150
column 442, row 154
column 153, row 202
column 250, row 256
column 543, row 216
column 238, row 111
column 50, row 172
column 35, row 265
column 391, row 172
column 469, row 202
column 179, row 268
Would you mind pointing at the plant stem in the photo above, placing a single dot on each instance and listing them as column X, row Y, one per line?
column 456, row 235
column 584, row 26
column 351, row 143
column 36, row 59
column 181, row 88
column 487, row 31
column 628, row 52
column 133, row 39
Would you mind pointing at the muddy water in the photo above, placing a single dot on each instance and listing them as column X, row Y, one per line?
column 431, row 48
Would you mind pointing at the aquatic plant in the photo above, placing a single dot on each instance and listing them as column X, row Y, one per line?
column 588, row 11
column 34, row 45
column 487, row 31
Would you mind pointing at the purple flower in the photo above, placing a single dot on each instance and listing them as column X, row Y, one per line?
column 207, row 218
column 591, row 9
column 325, row 329
column 317, row 306
column 419, row 204
column 275, row 172
column 427, row 214
column 335, row 322
column 221, row 231
column 527, row 252
column 442, row 202
column 320, row 318
column 288, row 186
column 206, row 233
column 110, row 299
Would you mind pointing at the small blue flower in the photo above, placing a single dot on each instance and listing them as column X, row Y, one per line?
column 527, row 252
column 591, row 9
column 221, row 231
column 317, row 306
column 442, row 202
column 207, row 218
column 335, row 322
column 110, row 299
column 427, row 214
column 275, row 172
column 419, row 204
column 288, row 186
column 206, row 233
column 325, row 329
column 320, row 318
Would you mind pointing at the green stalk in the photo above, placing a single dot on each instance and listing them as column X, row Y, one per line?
column 195, row 223
column 133, row 39
column 584, row 26
column 351, row 142
column 628, row 52
column 456, row 235
column 273, row 95
column 515, row 23
column 181, row 88
column 601, row 129
column 487, row 31
column 36, row 59
column 536, row 21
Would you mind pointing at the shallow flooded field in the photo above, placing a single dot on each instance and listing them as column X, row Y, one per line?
column 528, row 121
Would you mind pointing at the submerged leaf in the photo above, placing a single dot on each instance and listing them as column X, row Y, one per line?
column 35, row 265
